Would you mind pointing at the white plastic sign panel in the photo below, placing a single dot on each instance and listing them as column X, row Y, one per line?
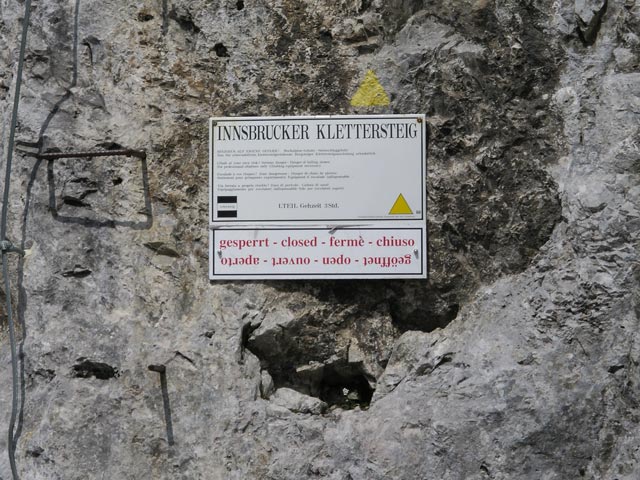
column 327, row 169
column 273, row 253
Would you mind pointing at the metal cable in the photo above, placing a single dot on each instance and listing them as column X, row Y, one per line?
column 3, row 235
column 14, row 120
column 14, row 368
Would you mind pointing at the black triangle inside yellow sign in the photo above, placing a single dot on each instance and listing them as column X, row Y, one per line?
column 401, row 207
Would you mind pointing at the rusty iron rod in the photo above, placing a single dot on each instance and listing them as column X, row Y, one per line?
column 102, row 153
column 162, row 370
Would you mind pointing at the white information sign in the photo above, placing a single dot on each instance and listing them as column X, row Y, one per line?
column 337, row 169
column 316, row 252
column 318, row 197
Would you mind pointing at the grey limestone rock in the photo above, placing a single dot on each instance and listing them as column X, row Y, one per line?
column 298, row 402
column 517, row 359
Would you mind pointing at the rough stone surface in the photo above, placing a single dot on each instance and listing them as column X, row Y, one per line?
column 298, row 402
column 518, row 359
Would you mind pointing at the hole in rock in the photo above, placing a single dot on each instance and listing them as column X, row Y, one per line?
column 184, row 18
column 615, row 368
column 326, row 35
column 240, row 4
column 77, row 272
column 364, row 5
column 340, row 384
column 35, row 452
column 110, row 146
column 144, row 16
column 221, row 50
column 74, row 202
column 87, row 368
column 346, row 387
column 368, row 48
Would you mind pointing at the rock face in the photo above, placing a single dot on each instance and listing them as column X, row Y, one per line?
column 517, row 359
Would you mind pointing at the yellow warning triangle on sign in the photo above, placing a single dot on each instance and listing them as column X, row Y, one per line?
column 401, row 207
column 370, row 93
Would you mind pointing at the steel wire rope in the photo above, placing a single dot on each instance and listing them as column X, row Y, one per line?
column 3, row 238
column 3, row 223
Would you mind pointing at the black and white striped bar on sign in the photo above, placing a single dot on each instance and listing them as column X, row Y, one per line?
column 227, row 206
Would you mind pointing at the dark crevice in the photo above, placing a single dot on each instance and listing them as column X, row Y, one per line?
column 446, row 312
column 144, row 16
column 46, row 373
column 326, row 35
column 85, row 181
column 367, row 48
column 340, row 384
column 184, row 18
column 184, row 357
column 110, row 146
column 429, row 368
column 345, row 387
column 239, row 4
column 87, row 368
column 247, row 329
column 77, row 272
column 588, row 32
column 221, row 50
column 162, row 248
column 209, row 333
column 35, row 452
column 74, row 202
column 364, row 5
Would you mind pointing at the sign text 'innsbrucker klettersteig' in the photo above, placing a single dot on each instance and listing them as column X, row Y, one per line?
column 317, row 197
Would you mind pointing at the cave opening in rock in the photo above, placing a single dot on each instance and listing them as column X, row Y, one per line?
column 342, row 385
column 345, row 387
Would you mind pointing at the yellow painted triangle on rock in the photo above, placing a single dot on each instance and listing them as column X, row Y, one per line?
column 401, row 207
column 370, row 93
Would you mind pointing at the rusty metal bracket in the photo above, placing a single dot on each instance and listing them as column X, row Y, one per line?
column 158, row 368
column 6, row 247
